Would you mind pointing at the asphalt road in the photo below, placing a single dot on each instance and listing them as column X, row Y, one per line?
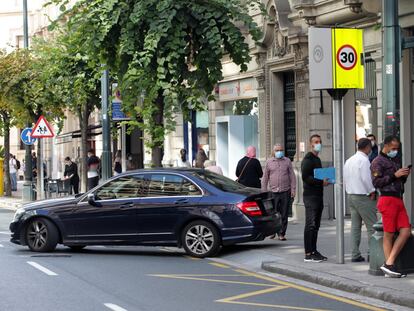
column 143, row 279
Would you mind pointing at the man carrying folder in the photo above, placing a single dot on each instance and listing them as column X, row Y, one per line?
column 313, row 199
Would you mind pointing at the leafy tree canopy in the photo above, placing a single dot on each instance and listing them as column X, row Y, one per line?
column 170, row 51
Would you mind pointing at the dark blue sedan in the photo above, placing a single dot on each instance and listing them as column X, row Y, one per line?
column 190, row 208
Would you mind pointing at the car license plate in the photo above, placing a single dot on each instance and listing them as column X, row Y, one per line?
column 268, row 204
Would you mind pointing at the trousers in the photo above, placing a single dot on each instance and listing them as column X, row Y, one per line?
column 313, row 212
column 282, row 200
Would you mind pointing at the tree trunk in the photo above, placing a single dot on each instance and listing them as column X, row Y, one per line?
column 157, row 152
column 83, row 115
column 7, row 180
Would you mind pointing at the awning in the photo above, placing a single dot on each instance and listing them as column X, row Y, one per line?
column 93, row 130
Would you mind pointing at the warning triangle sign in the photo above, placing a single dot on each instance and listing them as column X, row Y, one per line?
column 42, row 129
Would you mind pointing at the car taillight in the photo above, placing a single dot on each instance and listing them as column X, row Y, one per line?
column 250, row 208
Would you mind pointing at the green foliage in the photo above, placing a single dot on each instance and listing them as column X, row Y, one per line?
column 169, row 51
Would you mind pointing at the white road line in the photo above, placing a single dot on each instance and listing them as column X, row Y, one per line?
column 41, row 268
column 5, row 232
column 1, row 245
column 114, row 307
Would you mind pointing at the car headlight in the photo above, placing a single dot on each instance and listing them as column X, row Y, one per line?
column 18, row 214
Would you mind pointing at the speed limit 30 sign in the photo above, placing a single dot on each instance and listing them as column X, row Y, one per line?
column 347, row 57
column 336, row 58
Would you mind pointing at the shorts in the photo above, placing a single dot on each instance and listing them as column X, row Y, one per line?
column 394, row 214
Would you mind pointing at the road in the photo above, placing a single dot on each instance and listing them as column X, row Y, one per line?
column 144, row 279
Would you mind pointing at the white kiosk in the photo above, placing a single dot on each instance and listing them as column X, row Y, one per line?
column 233, row 135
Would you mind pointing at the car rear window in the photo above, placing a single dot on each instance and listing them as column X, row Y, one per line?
column 221, row 182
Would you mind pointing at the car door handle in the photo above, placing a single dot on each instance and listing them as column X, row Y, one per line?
column 181, row 201
column 127, row 205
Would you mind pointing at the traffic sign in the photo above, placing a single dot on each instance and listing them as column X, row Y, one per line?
column 26, row 137
column 347, row 46
column 336, row 58
column 42, row 129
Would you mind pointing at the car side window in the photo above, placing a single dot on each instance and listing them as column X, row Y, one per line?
column 171, row 185
column 123, row 188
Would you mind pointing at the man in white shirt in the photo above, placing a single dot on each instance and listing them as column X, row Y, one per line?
column 13, row 172
column 361, row 195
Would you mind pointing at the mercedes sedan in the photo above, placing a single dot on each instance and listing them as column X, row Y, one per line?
column 190, row 208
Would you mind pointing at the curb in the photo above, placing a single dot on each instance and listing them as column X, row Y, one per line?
column 10, row 205
column 383, row 293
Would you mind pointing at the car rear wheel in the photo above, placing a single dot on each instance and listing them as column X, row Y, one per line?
column 201, row 239
column 42, row 235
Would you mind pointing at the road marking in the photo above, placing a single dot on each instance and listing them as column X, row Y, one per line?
column 251, row 294
column 311, row 291
column 1, row 245
column 283, row 307
column 220, row 265
column 41, row 268
column 192, row 258
column 186, row 277
column 5, row 232
column 114, row 307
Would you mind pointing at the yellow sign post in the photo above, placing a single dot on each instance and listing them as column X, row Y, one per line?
column 348, row 58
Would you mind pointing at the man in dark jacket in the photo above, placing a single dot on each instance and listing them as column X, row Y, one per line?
column 389, row 178
column 249, row 170
column 71, row 174
column 374, row 145
column 313, row 199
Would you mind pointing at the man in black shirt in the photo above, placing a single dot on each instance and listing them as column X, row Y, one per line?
column 71, row 174
column 313, row 199
column 93, row 166
column 249, row 170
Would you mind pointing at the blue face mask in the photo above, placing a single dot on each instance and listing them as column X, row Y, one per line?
column 392, row 153
column 279, row 154
column 317, row 148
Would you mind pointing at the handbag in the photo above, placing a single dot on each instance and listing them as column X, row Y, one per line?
column 244, row 167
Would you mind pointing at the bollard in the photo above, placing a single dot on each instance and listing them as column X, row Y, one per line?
column 376, row 252
column 404, row 262
column 1, row 177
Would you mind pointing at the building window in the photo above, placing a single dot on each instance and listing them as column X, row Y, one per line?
column 289, row 113
column 366, row 104
column 241, row 107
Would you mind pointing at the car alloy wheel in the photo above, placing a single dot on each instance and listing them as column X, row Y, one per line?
column 41, row 235
column 201, row 239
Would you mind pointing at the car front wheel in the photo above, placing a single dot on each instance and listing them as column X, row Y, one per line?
column 41, row 235
column 201, row 239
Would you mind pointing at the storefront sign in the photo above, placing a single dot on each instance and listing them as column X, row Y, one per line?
column 240, row 89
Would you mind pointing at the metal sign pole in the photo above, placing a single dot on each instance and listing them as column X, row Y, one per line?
column 123, row 147
column 42, row 171
column 339, row 159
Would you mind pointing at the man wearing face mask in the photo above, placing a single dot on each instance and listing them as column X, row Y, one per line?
column 313, row 199
column 361, row 195
column 374, row 145
column 280, row 178
column 389, row 178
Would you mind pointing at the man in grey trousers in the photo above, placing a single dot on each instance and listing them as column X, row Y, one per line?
column 361, row 195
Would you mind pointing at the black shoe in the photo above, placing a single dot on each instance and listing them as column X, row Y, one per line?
column 358, row 259
column 390, row 270
column 312, row 258
column 322, row 257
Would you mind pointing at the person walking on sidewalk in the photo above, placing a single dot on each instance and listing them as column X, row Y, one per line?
column 361, row 195
column 13, row 172
column 93, row 166
column 280, row 178
column 71, row 175
column 389, row 178
column 313, row 200
column 249, row 170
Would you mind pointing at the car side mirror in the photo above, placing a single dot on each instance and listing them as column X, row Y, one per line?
column 91, row 199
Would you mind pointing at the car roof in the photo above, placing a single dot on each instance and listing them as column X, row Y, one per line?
column 165, row 170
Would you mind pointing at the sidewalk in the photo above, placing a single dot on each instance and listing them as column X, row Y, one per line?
column 15, row 201
column 351, row 277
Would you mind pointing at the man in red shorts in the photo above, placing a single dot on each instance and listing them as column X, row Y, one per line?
column 389, row 178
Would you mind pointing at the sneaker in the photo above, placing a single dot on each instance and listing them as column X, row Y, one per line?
column 322, row 257
column 358, row 259
column 312, row 258
column 390, row 271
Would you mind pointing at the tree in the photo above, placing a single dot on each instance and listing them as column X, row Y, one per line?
column 169, row 51
column 70, row 74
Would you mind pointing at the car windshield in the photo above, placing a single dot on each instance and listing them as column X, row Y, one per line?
column 223, row 183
